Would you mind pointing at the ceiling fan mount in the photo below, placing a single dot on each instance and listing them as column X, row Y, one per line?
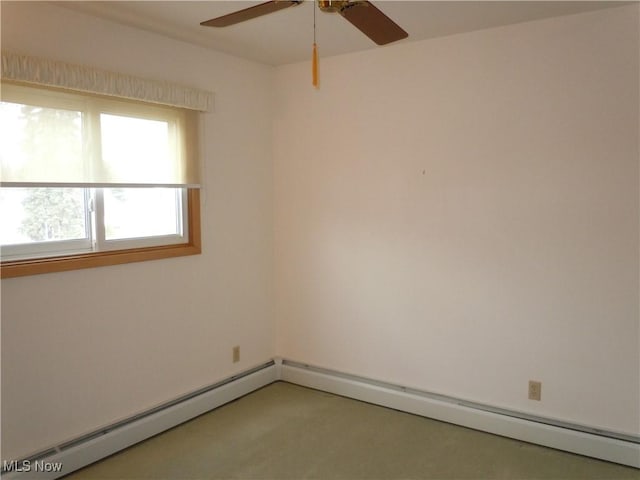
column 332, row 6
column 361, row 14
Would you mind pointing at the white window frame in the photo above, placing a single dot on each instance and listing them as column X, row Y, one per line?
column 96, row 240
column 103, row 244
column 49, row 248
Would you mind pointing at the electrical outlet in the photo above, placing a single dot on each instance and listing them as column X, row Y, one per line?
column 535, row 390
column 236, row 354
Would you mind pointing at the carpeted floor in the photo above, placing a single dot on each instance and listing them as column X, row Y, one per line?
column 284, row 431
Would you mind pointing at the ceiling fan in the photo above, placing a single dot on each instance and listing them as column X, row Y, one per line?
column 360, row 13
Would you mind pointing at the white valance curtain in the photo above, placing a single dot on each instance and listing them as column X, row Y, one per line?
column 81, row 78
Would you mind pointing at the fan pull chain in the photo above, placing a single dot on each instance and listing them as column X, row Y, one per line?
column 314, row 58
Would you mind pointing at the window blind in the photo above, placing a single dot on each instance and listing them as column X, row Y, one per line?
column 75, row 137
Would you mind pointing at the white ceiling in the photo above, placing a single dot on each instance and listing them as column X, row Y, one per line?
column 286, row 36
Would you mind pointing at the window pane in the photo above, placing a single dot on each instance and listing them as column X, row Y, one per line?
column 137, row 149
column 42, row 214
column 41, row 144
column 142, row 212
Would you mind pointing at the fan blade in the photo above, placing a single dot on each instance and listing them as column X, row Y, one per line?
column 249, row 13
column 373, row 23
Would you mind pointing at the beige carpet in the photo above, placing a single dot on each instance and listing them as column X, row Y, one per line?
column 284, row 431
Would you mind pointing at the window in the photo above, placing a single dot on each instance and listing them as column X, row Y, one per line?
column 89, row 180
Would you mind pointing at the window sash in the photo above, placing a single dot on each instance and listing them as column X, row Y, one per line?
column 31, row 266
column 104, row 244
column 96, row 239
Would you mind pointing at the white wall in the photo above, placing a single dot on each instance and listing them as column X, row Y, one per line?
column 85, row 348
column 461, row 215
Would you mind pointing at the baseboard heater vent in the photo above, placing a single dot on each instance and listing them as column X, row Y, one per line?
column 82, row 451
column 606, row 445
column 93, row 446
column 159, row 408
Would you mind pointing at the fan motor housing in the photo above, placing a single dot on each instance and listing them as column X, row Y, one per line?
column 332, row 6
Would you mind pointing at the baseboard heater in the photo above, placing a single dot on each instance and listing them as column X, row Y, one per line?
column 82, row 451
column 605, row 445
